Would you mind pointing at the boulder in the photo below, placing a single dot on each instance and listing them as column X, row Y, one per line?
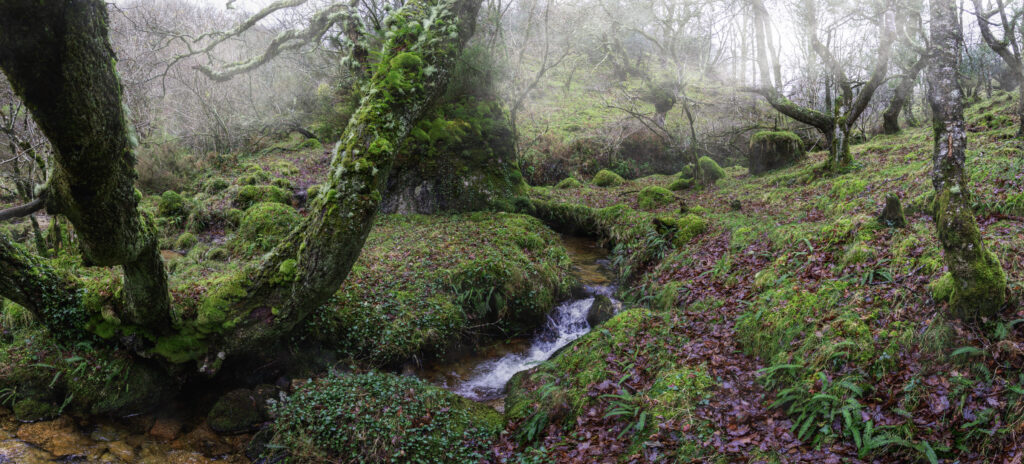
column 238, row 411
column 601, row 310
column 774, row 149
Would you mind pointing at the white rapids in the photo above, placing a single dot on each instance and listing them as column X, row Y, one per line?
column 566, row 323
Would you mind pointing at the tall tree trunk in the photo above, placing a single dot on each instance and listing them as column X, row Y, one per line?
column 58, row 59
column 979, row 280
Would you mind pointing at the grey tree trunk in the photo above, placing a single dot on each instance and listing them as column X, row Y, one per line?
column 979, row 279
column 901, row 98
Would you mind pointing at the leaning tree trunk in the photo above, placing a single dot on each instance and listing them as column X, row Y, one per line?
column 58, row 56
column 58, row 59
column 979, row 280
column 901, row 98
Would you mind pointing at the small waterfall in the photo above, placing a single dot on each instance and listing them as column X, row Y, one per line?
column 566, row 323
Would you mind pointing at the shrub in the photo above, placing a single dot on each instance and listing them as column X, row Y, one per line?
column 606, row 178
column 185, row 241
column 163, row 165
column 378, row 417
column 265, row 224
column 568, row 183
column 652, row 197
column 708, row 171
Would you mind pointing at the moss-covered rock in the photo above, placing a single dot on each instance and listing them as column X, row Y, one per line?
column 688, row 227
column 495, row 270
column 237, row 411
column 653, row 197
column 459, row 158
column 215, row 185
column 378, row 417
column 681, row 183
column 568, row 183
column 770, row 150
column 942, row 288
column 265, row 224
column 602, row 309
column 33, row 410
column 249, row 195
column 708, row 171
column 606, row 178
column 687, row 172
column 172, row 205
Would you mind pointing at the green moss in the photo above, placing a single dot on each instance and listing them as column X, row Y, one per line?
column 31, row 410
column 653, row 197
column 847, row 187
column 265, row 224
column 942, row 288
column 215, row 308
column 688, row 227
column 742, row 237
column 568, row 183
column 606, row 178
column 311, row 144
column 681, row 183
column 687, row 172
column 172, row 205
column 185, row 241
column 708, row 171
column 858, row 253
column 215, row 185
column 775, row 137
column 287, row 271
column 499, row 271
column 377, row 417
column 249, row 195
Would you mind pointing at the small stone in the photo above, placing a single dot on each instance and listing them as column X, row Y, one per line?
column 122, row 451
column 165, row 429
column 19, row 451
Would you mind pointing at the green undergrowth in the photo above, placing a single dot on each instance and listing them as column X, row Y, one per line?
column 379, row 417
column 628, row 360
column 425, row 284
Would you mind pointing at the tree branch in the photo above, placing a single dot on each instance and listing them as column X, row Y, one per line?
column 23, row 210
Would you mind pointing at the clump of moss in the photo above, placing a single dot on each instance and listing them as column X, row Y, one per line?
column 254, row 175
column 942, row 288
column 688, row 227
column 378, row 417
column 606, row 178
column 708, row 171
column 311, row 144
column 687, row 172
column 265, row 224
column 248, row 195
column 172, row 205
column 681, row 183
column 568, row 183
column 185, row 241
column 858, row 253
column 32, row 410
column 652, row 197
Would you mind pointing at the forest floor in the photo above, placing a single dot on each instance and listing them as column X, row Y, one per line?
column 769, row 318
column 805, row 331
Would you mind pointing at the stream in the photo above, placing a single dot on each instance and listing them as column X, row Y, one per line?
column 174, row 436
column 483, row 375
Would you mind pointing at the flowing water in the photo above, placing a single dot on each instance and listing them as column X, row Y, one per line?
column 482, row 377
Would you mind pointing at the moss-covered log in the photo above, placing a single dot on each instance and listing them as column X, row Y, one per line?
column 58, row 59
column 979, row 280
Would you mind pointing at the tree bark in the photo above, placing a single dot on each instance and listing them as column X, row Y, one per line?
column 979, row 279
column 58, row 59
column 58, row 56
column 901, row 98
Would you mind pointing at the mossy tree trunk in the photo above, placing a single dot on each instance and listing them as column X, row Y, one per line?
column 58, row 56
column 58, row 59
column 980, row 282
column 1007, row 46
column 901, row 97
